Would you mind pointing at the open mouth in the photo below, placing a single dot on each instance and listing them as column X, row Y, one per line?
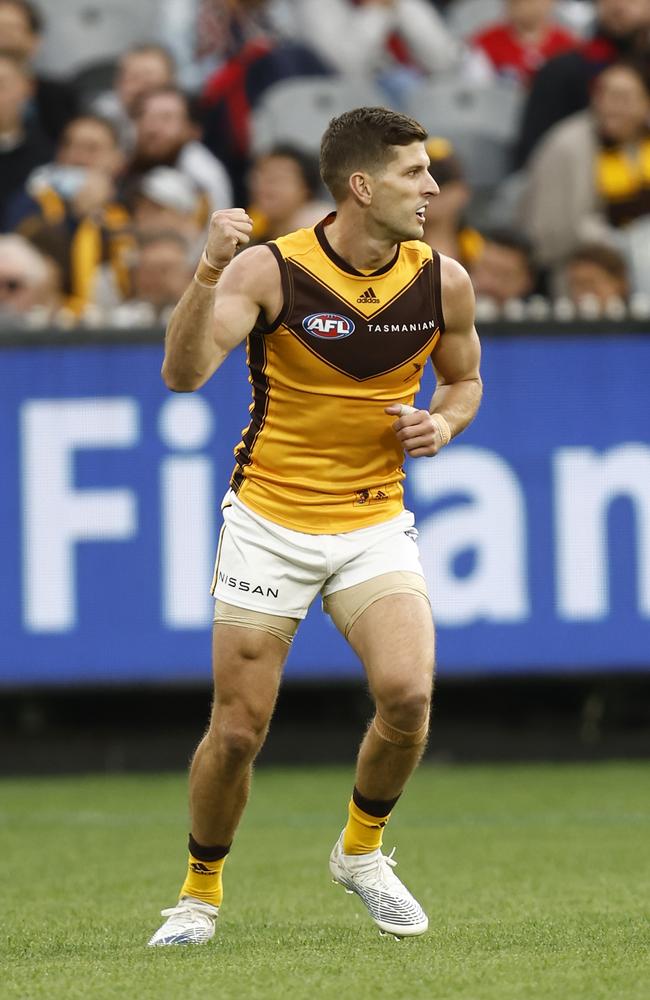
column 421, row 214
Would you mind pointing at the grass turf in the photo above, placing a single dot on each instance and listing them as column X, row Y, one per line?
column 536, row 880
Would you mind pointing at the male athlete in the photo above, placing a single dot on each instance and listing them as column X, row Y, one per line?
column 340, row 321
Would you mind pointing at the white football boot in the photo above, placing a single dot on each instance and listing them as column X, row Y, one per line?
column 387, row 900
column 189, row 922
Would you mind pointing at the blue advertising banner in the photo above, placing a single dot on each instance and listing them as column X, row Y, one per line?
column 534, row 526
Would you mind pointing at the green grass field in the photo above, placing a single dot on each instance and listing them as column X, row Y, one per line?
column 536, row 880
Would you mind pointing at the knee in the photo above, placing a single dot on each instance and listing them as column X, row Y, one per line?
column 405, row 706
column 237, row 740
column 240, row 743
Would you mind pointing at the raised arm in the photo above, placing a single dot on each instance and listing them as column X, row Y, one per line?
column 221, row 304
column 456, row 359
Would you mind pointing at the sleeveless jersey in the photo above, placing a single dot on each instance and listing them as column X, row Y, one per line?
column 320, row 455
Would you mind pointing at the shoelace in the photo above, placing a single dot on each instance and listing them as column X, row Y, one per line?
column 385, row 862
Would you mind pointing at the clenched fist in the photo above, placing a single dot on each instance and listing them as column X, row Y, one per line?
column 417, row 430
column 230, row 228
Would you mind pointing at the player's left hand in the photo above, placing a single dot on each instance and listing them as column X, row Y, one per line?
column 417, row 432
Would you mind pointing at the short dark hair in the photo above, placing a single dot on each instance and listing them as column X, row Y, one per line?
column 363, row 139
column 32, row 14
column 307, row 164
column 611, row 261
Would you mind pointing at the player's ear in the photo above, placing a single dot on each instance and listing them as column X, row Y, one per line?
column 361, row 187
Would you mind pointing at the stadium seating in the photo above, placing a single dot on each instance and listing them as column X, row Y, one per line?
column 298, row 111
column 480, row 121
column 466, row 17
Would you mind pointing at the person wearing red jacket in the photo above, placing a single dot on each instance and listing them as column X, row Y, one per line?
column 517, row 46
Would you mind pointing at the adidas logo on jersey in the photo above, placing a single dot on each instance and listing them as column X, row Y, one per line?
column 368, row 296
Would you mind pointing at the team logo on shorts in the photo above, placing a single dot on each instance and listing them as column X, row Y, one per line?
column 328, row 326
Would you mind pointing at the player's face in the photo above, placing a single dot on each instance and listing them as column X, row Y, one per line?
column 402, row 191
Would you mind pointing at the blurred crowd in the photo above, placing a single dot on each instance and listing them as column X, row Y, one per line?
column 123, row 127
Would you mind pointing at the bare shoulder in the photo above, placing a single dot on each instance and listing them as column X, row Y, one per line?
column 255, row 270
column 458, row 303
column 251, row 281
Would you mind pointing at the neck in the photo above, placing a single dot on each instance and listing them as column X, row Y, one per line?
column 351, row 240
column 531, row 33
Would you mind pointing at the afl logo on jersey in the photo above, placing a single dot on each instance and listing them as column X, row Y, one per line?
column 328, row 326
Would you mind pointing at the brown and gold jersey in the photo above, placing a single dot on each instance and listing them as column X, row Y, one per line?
column 319, row 454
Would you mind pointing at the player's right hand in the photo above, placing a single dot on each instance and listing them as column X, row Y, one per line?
column 230, row 228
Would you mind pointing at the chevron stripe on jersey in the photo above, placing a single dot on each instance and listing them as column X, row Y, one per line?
column 345, row 345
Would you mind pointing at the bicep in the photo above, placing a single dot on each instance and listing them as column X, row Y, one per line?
column 249, row 285
column 235, row 315
column 457, row 355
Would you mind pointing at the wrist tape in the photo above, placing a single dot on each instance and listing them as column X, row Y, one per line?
column 206, row 274
column 443, row 427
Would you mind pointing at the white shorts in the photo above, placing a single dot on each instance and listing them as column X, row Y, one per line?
column 264, row 567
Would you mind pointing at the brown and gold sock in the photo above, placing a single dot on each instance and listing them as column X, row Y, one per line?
column 204, row 868
column 366, row 821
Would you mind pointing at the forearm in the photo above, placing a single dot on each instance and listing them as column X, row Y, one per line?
column 458, row 403
column 210, row 319
column 191, row 352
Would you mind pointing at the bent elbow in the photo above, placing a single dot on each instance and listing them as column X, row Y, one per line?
column 178, row 383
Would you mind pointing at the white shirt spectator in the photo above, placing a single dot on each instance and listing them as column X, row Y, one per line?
column 207, row 172
column 355, row 39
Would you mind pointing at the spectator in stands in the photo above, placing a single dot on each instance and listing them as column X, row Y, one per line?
column 562, row 85
column 524, row 40
column 28, row 280
column 284, row 187
column 203, row 34
column 53, row 102
column 168, row 200
column 165, row 201
column 504, row 270
column 167, row 134
column 141, row 69
column 255, row 57
column 162, row 267
column 378, row 37
column 445, row 229
column 597, row 273
column 22, row 144
column 591, row 173
column 71, row 209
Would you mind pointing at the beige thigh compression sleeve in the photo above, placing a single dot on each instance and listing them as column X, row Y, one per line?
column 281, row 628
column 345, row 606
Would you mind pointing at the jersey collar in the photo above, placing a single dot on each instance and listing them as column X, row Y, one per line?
column 343, row 265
